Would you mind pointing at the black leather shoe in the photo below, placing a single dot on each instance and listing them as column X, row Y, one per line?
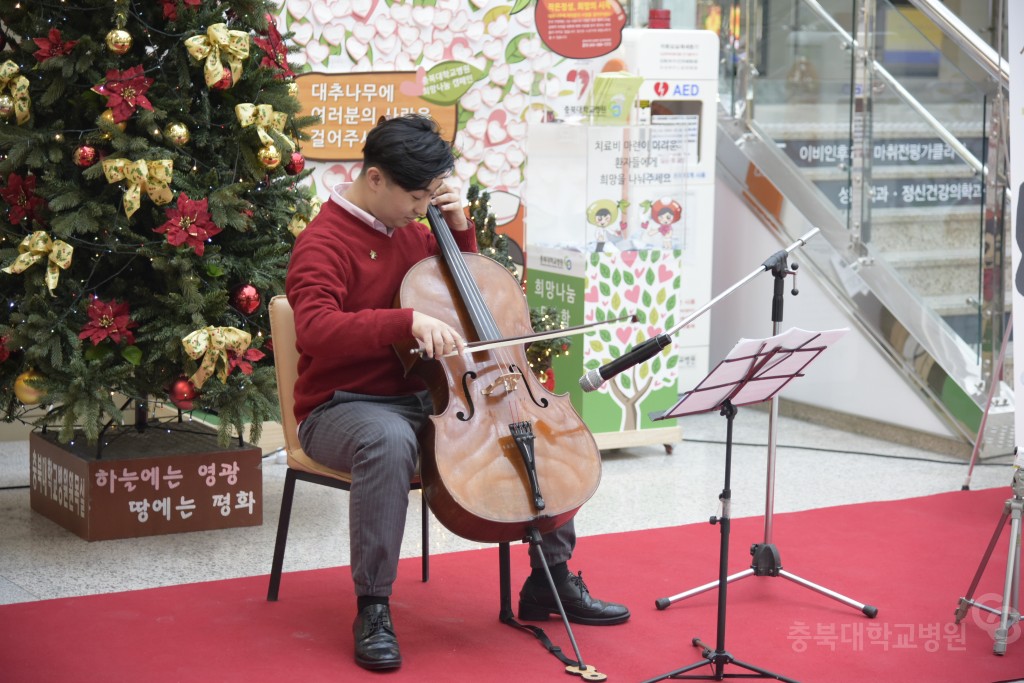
column 376, row 643
column 536, row 602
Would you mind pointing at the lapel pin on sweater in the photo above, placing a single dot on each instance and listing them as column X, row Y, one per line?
column 373, row 255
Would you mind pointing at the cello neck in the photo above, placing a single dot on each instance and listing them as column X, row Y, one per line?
column 483, row 322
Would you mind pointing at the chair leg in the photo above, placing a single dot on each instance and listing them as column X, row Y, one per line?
column 282, row 535
column 425, row 514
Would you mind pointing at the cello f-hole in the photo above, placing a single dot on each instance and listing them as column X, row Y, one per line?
column 469, row 399
column 543, row 403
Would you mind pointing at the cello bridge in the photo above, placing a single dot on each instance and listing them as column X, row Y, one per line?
column 508, row 380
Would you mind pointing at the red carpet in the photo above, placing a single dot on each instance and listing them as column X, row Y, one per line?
column 912, row 559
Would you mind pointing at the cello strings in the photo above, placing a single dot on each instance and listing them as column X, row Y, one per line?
column 486, row 327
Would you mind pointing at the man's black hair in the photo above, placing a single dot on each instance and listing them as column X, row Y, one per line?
column 409, row 150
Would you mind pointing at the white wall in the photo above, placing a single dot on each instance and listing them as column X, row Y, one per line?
column 852, row 377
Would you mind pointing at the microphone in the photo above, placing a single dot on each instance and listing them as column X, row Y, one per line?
column 638, row 354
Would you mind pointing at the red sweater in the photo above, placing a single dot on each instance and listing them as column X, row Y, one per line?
column 343, row 299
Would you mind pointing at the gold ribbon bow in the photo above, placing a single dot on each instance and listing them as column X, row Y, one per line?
column 39, row 246
column 299, row 222
column 152, row 176
column 213, row 344
column 263, row 117
column 11, row 78
column 218, row 39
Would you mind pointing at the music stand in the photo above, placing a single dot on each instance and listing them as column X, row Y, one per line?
column 754, row 371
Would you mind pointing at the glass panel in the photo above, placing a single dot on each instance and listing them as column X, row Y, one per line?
column 928, row 204
column 801, row 94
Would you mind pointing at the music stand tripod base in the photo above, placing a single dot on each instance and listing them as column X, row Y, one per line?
column 754, row 371
column 769, row 366
column 719, row 657
column 868, row 610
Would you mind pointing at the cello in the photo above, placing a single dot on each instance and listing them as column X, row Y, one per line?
column 501, row 454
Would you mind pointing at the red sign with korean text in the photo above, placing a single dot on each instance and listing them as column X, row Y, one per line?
column 580, row 29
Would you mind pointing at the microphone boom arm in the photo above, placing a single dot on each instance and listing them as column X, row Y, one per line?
column 767, row 265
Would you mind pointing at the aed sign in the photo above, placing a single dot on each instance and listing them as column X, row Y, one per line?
column 664, row 89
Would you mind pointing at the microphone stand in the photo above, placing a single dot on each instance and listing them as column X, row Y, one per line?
column 766, row 558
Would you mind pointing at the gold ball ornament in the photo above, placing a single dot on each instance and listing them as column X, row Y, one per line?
column 26, row 392
column 119, row 41
column 177, row 134
column 6, row 107
column 269, row 156
column 108, row 116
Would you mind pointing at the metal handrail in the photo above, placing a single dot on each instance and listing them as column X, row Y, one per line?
column 980, row 51
column 941, row 131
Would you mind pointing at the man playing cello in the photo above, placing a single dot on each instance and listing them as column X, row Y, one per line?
column 357, row 411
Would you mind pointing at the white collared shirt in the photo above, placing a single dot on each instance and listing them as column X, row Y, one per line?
column 336, row 196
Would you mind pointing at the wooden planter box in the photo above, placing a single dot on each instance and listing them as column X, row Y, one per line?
column 167, row 479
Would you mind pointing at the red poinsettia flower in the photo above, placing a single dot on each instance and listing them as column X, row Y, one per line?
column 52, row 46
column 276, row 56
column 242, row 362
column 125, row 92
column 20, row 195
column 108, row 319
column 171, row 8
column 189, row 224
column 5, row 352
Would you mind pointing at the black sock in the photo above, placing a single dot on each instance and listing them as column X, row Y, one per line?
column 364, row 601
column 558, row 573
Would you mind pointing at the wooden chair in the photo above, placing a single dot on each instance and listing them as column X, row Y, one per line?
column 300, row 465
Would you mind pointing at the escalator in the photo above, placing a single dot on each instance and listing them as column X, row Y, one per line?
column 882, row 124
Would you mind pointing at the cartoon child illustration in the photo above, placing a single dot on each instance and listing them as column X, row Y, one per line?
column 602, row 214
column 666, row 212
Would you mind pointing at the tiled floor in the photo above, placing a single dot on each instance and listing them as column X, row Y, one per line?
column 642, row 487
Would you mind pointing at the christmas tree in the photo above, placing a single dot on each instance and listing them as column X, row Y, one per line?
column 149, row 175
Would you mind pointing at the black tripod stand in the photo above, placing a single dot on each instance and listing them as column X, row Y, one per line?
column 754, row 371
column 719, row 657
column 766, row 558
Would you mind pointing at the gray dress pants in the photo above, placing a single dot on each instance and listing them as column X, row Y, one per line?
column 375, row 439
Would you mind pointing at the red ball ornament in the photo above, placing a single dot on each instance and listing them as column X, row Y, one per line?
column 295, row 164
column 549, row 379
column 245, row 299
column 84, row 156
column 182, row 393
column 225, row 82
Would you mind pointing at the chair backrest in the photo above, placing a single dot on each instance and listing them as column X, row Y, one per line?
column 286, row 360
